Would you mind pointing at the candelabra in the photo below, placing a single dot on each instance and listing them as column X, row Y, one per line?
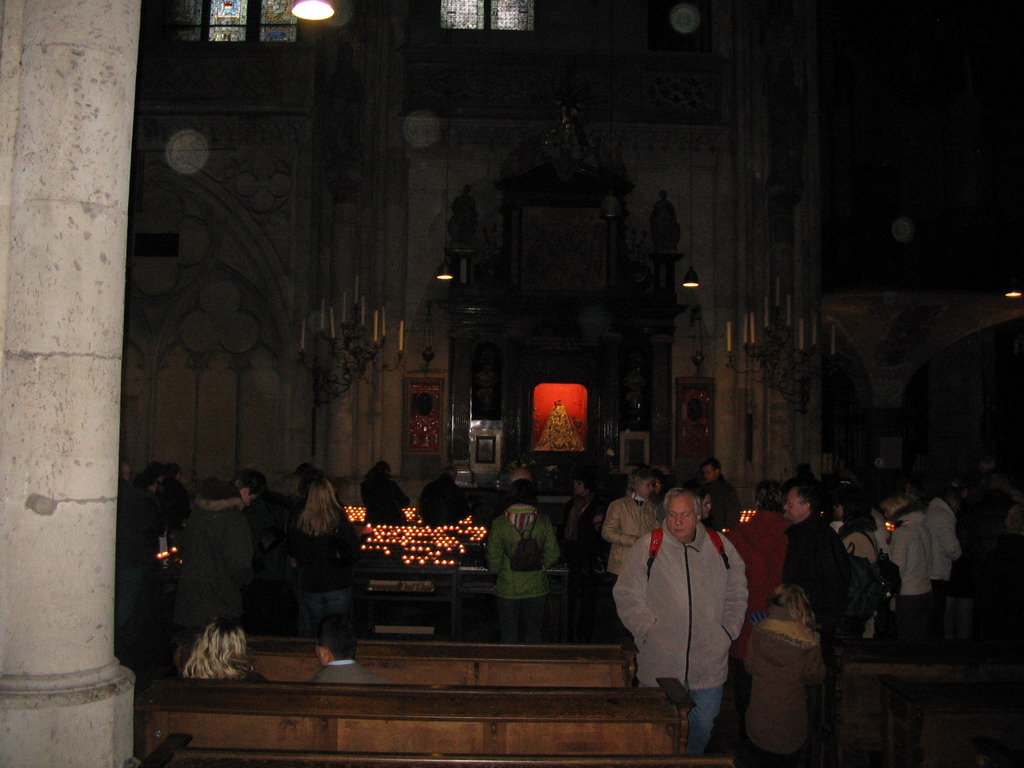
column 340, row 355
column 778, row 357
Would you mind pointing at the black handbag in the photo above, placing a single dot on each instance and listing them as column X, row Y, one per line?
column 342, row 548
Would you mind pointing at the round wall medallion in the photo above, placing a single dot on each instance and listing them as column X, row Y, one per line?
column 684, row 17
column 187, row 151
column 903, row 229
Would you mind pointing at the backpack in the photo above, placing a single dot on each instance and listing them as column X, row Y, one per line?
column 527, row 555
column 867, row 591
column 658, row 534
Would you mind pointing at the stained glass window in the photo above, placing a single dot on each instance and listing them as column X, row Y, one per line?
column 514, row 15
column 231, row 21
column 276, row 21
column 227, row 21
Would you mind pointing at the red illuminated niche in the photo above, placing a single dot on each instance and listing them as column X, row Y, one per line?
column 559, row 417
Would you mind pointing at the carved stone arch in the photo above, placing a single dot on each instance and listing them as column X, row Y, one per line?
column 235, row 247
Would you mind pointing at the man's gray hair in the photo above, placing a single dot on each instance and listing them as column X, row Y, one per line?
column 673, row 493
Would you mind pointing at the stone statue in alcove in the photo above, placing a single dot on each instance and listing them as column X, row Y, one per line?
column 462, row 224
column 664, row 227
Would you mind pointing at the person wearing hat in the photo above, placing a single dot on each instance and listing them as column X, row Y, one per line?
column 216, row 557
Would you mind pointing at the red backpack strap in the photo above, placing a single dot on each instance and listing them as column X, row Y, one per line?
column 716, row 539
column 656, row 536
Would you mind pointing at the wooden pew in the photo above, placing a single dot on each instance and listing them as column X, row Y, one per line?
column 290, row 659
column 859, row 714
column 415, row 719
column 932, row 725
column 174, row 754
column 989, row 753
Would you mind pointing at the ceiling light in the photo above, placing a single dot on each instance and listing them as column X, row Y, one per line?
column 444, row 271
column 313, row 10
column 611, row 208
column 690, row 280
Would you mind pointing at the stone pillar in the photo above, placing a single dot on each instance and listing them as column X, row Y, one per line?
column 67, row 90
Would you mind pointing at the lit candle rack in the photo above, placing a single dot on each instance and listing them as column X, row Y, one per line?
column 413, row 544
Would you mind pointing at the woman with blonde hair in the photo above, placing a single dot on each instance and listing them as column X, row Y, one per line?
column 630, row 517
column 323, row 546
column 783, row 658
column 910, row 547
column 220, row 653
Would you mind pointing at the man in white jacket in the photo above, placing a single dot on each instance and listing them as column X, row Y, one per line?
column 940, row 519
column 684, row 606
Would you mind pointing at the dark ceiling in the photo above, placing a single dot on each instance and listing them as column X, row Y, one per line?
column 920, row 110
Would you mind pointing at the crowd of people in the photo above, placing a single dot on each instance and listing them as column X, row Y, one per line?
column 705, row 597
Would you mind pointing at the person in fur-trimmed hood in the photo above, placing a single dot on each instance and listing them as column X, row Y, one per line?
column 783, row 657
column 216, row 557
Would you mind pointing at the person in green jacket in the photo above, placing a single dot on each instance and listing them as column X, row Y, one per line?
column 522, row 594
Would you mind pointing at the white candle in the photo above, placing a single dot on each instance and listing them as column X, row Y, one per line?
column 332, row 321
column 753, row 328
column 401, row 335
column 383, row 322
column 789, row 309
column 800, row 333
column 832, row 340
column 302, row 336
column 746, row 329
column 375, row 318
column 728, row 336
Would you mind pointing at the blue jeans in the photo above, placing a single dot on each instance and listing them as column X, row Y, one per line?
column 313, row 606
column 531, row 609
column 706, row 704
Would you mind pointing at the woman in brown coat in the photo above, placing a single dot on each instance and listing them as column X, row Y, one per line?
column 783, row 657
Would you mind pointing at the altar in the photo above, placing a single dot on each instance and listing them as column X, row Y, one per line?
column 560, row 335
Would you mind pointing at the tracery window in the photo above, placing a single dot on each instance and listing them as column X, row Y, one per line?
column 508, row 15
column 231, row 21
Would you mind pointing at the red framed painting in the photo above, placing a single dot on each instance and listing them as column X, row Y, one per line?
column 695, row 427
column 423, row 408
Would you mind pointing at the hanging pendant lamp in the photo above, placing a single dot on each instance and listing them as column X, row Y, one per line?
column 690, row 279
column 444, row 270
column 313, row 10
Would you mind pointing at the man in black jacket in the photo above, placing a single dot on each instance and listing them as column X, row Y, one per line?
column 815, row 557
column 442, row 502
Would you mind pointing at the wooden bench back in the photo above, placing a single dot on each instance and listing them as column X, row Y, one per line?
column 180, row 756
column 412, row 719
column 933, row 724
column 859, row 709
column 439, row 663
column 173, row 753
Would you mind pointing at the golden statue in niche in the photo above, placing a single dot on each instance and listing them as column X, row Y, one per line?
column 559, row 432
